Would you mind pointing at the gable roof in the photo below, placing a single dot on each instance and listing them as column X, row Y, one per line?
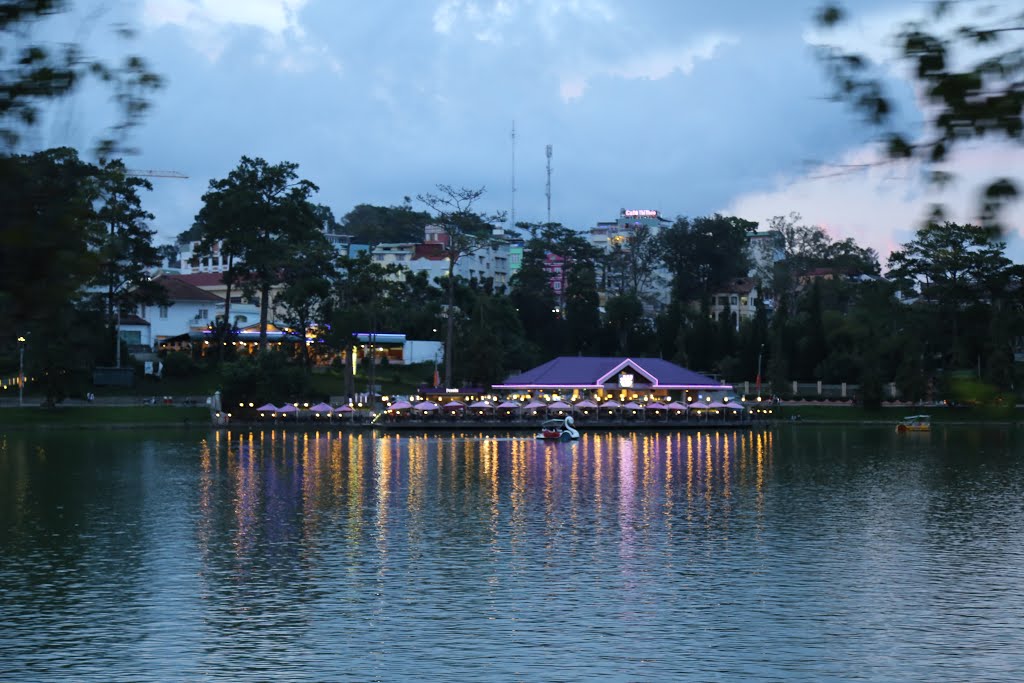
column 201, row 279
column 179, row 289
column 739, row 285
column 131, row 319
column 594, row 371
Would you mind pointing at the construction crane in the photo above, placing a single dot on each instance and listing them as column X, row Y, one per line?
column 154, row 174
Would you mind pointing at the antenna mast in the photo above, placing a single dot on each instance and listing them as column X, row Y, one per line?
column 513, row 216
column 547, row 152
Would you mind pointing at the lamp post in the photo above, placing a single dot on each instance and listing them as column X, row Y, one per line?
column 21, row 371
column 760, row 352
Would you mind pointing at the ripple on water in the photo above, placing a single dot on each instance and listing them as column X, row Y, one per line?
column 800, row 554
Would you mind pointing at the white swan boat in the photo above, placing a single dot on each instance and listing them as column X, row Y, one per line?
column 558, row 430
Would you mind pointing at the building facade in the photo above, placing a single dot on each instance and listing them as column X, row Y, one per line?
column 575, row 378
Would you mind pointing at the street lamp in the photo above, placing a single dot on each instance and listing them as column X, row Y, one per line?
column 21, row 371
column 760, row 352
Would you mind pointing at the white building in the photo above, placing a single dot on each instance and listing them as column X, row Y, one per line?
column 190, row 308
column 739, row 297
column 491, row 262
column 189, row 262
column 608, row 236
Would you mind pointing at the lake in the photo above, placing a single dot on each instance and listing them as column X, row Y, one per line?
column 800, row 553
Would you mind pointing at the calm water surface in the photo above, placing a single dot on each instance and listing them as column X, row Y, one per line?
column 805, row 553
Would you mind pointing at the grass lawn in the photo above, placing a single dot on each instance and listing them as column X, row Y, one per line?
column 99, row 416
column 200, row 385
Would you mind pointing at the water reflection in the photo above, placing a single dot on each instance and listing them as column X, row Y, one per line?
column 803, row 553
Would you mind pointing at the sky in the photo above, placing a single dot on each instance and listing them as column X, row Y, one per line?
column 688, row 107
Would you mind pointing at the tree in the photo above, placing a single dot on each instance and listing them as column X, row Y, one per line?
column 49, row 235
column 625, row 314
column 33, row 74
column 491, row 340
column 969, row 71
column 575, row 326
column 362, row 293
column 704, row 252
column 630, row 266
column 261, row 216
column 950, row 266
column 949, row 262
column 369, row 224
column 805, row 248
column 582, row 317
column 304, row 301
column 466, row 233
column 126, row 250
column 534, row 301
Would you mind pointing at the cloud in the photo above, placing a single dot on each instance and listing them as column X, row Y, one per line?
column 210, row 23
column 880, row 204
column 273, row 16
column 484, row 23
column 652, row 65
column 489, row 22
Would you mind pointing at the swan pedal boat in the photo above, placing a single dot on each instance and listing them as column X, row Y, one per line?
column 558, row 430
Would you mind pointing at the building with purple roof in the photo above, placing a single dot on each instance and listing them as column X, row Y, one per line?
column 600, row 378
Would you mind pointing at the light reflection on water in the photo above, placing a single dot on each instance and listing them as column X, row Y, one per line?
column 806, row 553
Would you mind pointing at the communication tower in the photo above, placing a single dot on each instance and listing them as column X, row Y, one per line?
column 512, row 216
column 547, row 152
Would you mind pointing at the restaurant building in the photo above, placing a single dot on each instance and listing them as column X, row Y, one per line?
column 576, row 378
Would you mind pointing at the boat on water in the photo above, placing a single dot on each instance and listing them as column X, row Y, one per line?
column 915, row 423
column 558, row 430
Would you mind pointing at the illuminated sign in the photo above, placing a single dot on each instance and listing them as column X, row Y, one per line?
column 626, row 380
column 639, row 213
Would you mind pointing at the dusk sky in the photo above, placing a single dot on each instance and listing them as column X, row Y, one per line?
column 685, row 107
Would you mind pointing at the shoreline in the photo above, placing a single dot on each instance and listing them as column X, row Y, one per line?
column 121, row 418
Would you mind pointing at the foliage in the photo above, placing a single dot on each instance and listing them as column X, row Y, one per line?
column 369, row 224
column 702, row 253
column 260, row 214
column 268, row 376
column 365, row 297
column 179, row 364
column 806, row 249
column 304, row 301
column 47, row 234
column 48, row 238
column 126, row 249
column 949, row 262
column 965, row 60
column 33, row 74
column 466, row 232
column 629, row 269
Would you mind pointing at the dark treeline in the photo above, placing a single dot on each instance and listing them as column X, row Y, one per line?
column 77, row 250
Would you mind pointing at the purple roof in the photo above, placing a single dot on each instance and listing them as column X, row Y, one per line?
column 592, row 371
